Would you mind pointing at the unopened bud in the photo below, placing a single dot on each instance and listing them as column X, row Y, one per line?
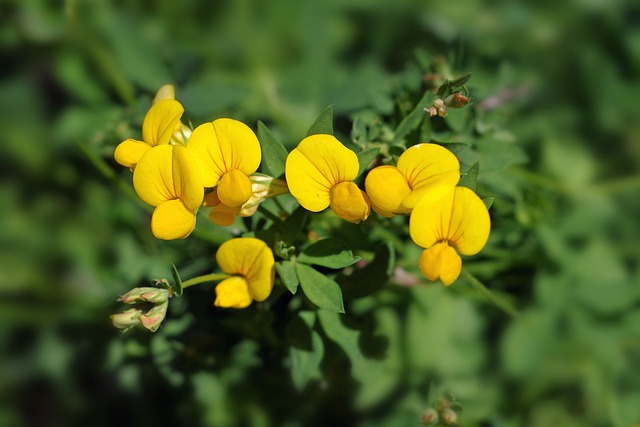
column 431, row 111
column 429, row 417
column 152, row 319
column 127, row 319
column 449, row 417
column 145, row 294
column 456, row 100
column 441, row 404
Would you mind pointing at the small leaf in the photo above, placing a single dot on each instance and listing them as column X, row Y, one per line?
column 287, row 272
column 274, row 155
column 323, row 124
column 359, row 131
column 412, row 120
column 177, row 286
column 443, row 89
column 460, row 81
column 332, row 253
column 488, row 202
column 470, row 177
column 284, row 250
column 322, row 291
column 365, row 157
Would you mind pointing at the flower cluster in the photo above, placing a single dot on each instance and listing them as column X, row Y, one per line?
column 178, row 171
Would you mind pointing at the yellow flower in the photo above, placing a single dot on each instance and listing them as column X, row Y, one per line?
column 422, row 169
column 227, row 152
column 262, row 187
column 182, row 132
column 168, row 178
column 251, row 263
column 320, row 174
column 159, row 125
column 457, row 220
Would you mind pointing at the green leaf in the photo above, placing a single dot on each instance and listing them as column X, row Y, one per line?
column 332, row 253
column 177, row 286
column 323, row 124
column 460, row 81
column 274, row 155
column 488, row 202
column 359, row 131
column 469, row 179
column 322, row 291
column 412, row 120
column 306, row 349
column 365, row 157
column 287, row 272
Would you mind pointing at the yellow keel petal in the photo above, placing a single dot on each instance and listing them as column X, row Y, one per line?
column 172, row 220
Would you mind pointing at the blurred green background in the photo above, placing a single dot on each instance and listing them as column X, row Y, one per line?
column 557, row 85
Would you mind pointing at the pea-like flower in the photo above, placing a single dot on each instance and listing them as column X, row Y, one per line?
column 251, row 264
column 422, row 169
column 457, row 221
column 158, row 128
column 320, row 174
column 227, row 152
column 168, row 178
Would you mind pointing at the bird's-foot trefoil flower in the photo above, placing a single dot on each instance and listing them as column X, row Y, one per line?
column 456, row 222
column 159, row 125
column 422, row 169
column 182, row 132
column 262, row 187
column 250, row 262
column 320, row 174
column 227, row 152
column 168, row 178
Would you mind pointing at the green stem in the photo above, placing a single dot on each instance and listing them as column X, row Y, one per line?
column 206, row 278
column 498, row 301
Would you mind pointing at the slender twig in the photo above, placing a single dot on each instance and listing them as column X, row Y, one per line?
column 500, row 302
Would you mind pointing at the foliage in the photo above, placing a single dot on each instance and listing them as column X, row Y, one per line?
column 549, row 140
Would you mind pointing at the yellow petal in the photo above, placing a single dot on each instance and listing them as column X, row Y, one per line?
column 222, row 145
column 168, row 172
column 128, row 152
column 165, row 92
column 315, row 166
column 234, row 188
column 211, row 199
column 223, row 215
column 470, row 222
column 386, row 188
column 172, row 220
column 349, row 202
column 441, row 262
column 153, row 176
column 459, row 217
column 187, row 178
column 233, row 293
column 252, row 259
column 428, row 168
column 161, row 121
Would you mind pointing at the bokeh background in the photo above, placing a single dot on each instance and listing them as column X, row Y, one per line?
column 557, row 80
